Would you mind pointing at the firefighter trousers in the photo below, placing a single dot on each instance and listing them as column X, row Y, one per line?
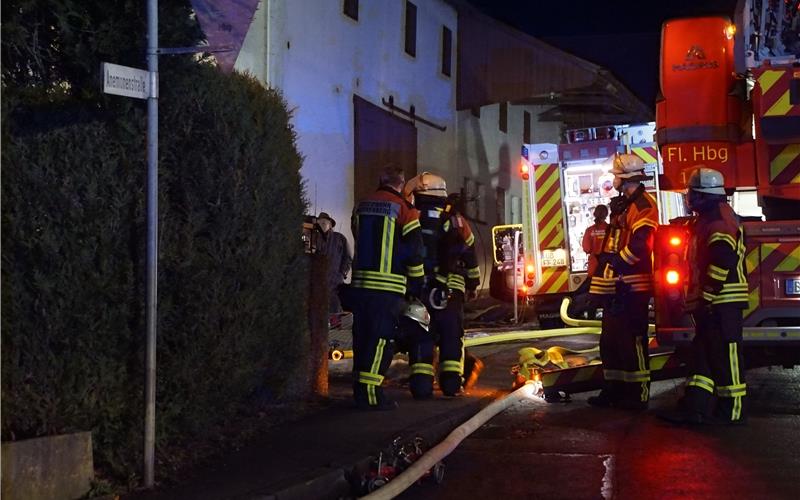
column 717, row 364
column 375, row 318
column 624, row 348
column 448, row 326
column 421, row 345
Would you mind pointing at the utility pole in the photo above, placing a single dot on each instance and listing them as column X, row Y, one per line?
column 151, row 304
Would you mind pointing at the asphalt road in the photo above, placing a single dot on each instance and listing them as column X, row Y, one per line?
column 573, row 451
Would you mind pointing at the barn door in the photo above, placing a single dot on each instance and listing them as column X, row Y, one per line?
column 380, row 138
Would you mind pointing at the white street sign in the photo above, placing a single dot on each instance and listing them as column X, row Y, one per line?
column 126, row 81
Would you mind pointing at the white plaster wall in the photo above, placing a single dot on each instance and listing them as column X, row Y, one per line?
column 319, row 58
column 492, row 158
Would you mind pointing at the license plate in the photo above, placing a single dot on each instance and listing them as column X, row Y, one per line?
column 793, row 287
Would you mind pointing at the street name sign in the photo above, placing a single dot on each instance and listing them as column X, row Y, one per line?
column 126, row 81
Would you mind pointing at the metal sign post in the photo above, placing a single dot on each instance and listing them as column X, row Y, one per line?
column 151, row 304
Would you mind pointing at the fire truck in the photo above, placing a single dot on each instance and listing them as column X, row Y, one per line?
column 561, row 186
column 731, row 101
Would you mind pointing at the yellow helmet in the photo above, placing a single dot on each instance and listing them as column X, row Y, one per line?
column 426, row 183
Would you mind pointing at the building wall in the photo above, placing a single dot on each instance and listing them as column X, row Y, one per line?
column 489, row 159
column 319, row 58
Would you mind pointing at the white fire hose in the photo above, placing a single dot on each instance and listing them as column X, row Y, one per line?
column 419, row 468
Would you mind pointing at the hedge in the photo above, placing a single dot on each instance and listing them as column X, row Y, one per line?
column 232, row 275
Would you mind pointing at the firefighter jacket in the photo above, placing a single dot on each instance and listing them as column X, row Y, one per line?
column 388, row 244
column 628, row 248
column 450, row 257
column 592, row 243
column 716, row 260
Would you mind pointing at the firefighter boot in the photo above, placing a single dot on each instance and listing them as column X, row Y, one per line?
column 609, row 395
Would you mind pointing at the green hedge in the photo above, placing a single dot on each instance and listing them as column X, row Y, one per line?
column 232, row 275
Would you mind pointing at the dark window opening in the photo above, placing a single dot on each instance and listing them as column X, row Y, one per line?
column 526, row 127
column 447, row 51
column 351, row 9
column 411, row 29
column 503, row 123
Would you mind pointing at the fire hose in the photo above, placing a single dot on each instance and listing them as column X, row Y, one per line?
column 419, row 468
column 586, row 322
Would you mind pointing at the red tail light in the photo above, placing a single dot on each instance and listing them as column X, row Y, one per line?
column 530, row 275
column 524, row 171
column 675, row 241
column 672, row 277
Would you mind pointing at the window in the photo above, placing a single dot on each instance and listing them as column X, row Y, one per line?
column 503, row 123
column 411, row 29
column 447, row 51
column 351, row 9
column 526, row 127
column 603, row 151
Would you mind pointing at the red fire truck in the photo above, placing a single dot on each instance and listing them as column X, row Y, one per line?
column 732, row 102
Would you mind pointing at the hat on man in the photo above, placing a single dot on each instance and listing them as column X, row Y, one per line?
column 629, row 167
column 324, row 215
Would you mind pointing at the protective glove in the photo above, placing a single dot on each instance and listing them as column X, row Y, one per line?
column 617, row 205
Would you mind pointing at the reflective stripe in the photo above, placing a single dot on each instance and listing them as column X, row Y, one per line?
column 470, row 240
column 388, row 244
column 628, row 256
column 390, row 277
column 415, row 271
column 724, row 238
column 645, row 394
column 474, row 273
column 626, row 376
column 701, row 382
column 422, row 369
column 737, row 389
column 370, row 378
column 379, row 285
column 730, row 391
column 644, row 222
column 446, row 226
column 456, row 282
column 717, row 273
column 410, row 226
column 450, row 366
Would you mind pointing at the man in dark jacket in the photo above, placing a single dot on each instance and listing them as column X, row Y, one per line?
column 337, row 251
column 387, row 267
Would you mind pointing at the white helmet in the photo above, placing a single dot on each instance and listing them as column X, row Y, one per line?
column 706, row 180
column 628, row 166
column 416, row 311
column 426, row 183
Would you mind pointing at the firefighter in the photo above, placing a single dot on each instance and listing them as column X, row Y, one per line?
column 592, row 244
column 387, row 267
column 451, row 277
column 623, row 282
column 716, row 296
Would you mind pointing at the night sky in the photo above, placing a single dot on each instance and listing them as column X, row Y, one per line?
column 621, row 35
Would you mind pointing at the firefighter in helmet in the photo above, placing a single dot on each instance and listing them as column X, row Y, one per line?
column 451, row 277
column 387, row 267
column 716, row 296
column 623, row 284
